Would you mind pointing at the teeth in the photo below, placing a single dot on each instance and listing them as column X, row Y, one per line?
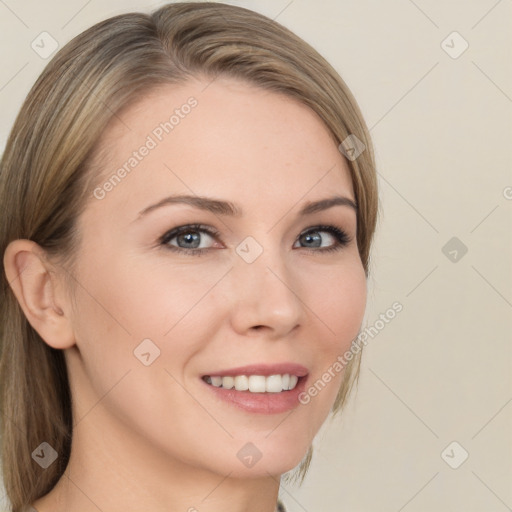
column 274, row 384
column 228, row 382
column 255, row 383
column 242, row 383
column 216, row 381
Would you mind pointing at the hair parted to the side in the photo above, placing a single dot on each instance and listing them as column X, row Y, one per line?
column 46, row 176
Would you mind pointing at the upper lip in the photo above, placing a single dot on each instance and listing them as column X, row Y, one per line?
column 263, row 369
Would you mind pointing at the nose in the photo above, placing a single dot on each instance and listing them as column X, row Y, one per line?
column 265, row 296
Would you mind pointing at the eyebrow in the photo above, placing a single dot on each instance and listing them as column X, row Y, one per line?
column 220, row 207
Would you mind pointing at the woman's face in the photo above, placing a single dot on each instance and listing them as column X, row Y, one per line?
column 157, row 311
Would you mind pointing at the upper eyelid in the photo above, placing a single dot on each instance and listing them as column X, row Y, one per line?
column 212, row 230
column 191, row 227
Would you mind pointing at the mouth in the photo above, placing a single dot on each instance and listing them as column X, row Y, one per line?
column 265, row 389
column 255, row 383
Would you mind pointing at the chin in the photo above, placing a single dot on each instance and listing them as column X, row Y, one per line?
column 267, row 457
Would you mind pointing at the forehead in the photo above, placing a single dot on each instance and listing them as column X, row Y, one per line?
column 224, row 138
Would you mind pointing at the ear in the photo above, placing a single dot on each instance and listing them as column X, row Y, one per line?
column 39, row 292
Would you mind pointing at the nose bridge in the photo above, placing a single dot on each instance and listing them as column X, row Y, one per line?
column 264, row 288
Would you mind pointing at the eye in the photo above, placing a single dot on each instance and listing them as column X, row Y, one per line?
column 313, row 240
column 189, row 238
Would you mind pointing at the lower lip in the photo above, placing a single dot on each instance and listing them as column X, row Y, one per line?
column 261, row 403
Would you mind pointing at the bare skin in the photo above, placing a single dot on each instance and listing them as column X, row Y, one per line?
column 155, row 437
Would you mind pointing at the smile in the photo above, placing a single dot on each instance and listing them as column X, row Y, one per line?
column 254, row 383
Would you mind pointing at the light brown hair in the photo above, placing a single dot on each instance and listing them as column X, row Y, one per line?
column 46, row 176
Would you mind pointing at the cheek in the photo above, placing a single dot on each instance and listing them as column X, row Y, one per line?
column 145, row 299
column 119, row 306
column 339, row 302
column 340, row 306
column 122, row 304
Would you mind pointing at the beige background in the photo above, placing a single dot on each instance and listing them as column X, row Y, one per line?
column 440, row 370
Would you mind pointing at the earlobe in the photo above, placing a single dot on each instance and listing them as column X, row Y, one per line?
column 36, row 288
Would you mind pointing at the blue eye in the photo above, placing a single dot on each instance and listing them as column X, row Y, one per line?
column 190, row 238
column 311, row 237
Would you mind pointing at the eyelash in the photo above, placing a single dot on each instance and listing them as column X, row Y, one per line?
column 341, row 236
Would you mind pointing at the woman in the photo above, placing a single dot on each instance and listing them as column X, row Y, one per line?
column 191, row 198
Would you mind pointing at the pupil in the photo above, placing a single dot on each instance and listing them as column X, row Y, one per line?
column 191, row 238
column 313, row 238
